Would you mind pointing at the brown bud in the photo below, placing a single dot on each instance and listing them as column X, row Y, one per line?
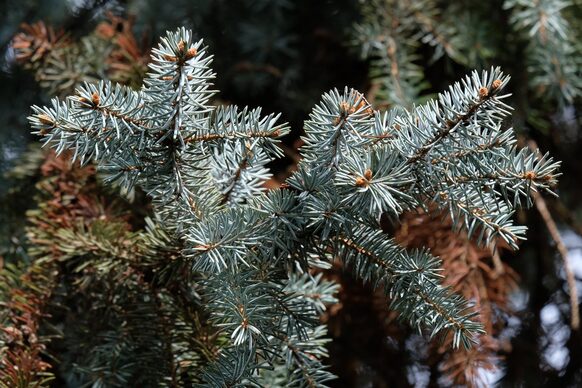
column 483, row 92
column 368, row 174
column 344, row 107
column 95, row 98
column 191, row 53
column 170, row 58
column 531, row 175
column 496, row 84
column 45, row 119
column 361, row 182
column 364, row 104
column 181, row 46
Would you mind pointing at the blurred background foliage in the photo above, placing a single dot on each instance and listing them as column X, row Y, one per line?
column 282, row 55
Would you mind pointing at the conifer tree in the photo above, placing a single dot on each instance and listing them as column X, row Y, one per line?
column 241, row 258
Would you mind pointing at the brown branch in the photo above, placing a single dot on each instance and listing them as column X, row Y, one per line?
column 463, row 153
column 107, row 112
column 562, row 250
column 451, row 124
column 242, row 165
column 217, row 136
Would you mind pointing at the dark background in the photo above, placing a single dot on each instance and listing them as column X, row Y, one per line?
column 308, row 49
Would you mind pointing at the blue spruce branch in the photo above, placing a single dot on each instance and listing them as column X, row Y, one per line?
column 253, row 252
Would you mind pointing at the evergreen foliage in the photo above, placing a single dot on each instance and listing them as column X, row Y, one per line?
column 240, row 258
column 60, row 63
column 395, row 36
column 551, row 48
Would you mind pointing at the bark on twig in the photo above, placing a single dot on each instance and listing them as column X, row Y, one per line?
column 562, row 250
